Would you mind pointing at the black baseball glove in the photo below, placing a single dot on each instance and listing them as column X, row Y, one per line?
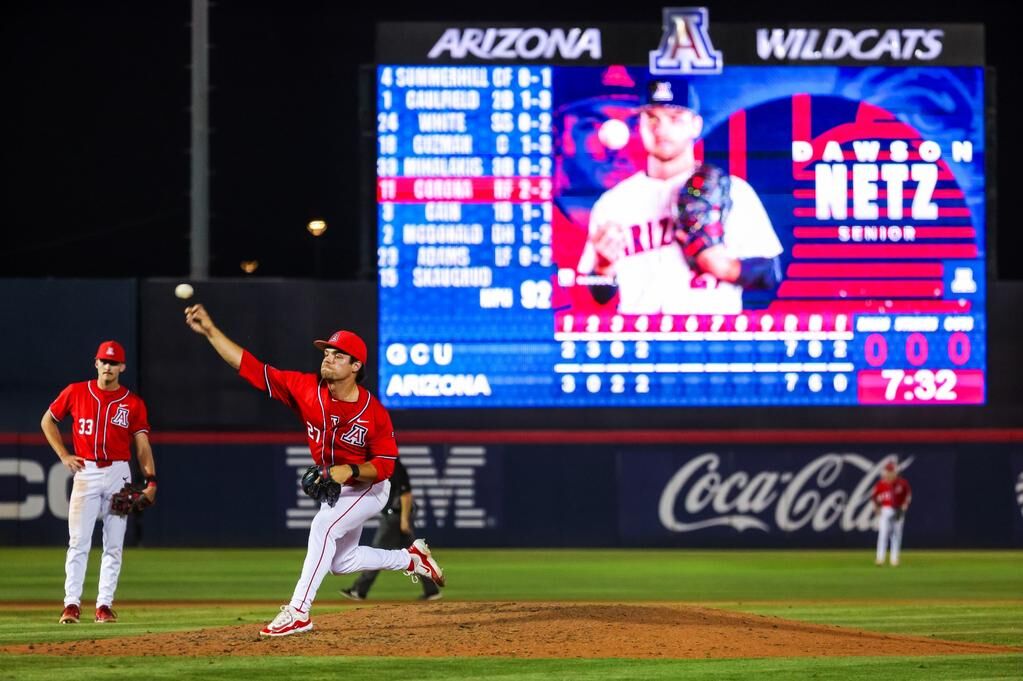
column 129, row 498
column 899, row 513
column 701, row 210
column 317, row 483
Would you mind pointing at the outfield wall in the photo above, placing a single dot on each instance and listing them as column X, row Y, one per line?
column 676, row 490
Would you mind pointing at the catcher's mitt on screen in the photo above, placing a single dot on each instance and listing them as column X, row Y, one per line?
column 703, row 205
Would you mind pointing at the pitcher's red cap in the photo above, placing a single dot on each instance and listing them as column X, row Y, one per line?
column 111, row 351
column 890, row 466
column 345, row 341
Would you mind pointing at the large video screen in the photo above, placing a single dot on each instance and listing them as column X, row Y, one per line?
column 576, row 236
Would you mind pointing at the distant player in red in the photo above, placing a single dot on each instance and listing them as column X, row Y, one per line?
column 350, row 434
column 106, row 419
column 891, row 498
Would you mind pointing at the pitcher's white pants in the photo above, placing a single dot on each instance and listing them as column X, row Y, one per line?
column 334, row 541
column 90, row 499
column 889, row 529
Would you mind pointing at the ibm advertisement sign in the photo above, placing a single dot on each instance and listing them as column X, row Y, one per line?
column 444, row 488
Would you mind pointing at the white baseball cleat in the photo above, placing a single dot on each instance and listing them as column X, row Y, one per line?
column 288, row 621
column 422, row 563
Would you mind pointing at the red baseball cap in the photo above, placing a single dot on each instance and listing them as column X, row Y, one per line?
column 111, row 351
column 890, row 466
column 345, row 341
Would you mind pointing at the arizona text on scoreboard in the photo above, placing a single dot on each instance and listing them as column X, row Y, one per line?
column 864, row 146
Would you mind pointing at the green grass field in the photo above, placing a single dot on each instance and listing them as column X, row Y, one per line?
column 953, row 595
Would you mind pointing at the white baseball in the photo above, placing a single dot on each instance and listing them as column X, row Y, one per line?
column 184, row 291
column 613, row 133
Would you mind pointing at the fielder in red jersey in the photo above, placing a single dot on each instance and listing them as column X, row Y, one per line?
column 891, row 497
column 106, row 419
column 350, row 436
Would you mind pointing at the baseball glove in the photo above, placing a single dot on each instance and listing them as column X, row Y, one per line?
column 129, row 498
column 702, row 207
column 899, row 513
column 317, row 483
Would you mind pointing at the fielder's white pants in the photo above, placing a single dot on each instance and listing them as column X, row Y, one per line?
column 889, row 530
column 334, row 541
column 90, row 499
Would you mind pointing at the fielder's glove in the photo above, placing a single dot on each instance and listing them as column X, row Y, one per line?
column 899, row 513
column 317, row 483
column 129, row 498
column 702, row 207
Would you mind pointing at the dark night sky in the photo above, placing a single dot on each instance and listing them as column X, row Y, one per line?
column 96, row 117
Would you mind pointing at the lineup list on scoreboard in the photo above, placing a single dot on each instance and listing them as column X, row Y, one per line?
column 464, row 181
column 467, row 213
column 464, row 189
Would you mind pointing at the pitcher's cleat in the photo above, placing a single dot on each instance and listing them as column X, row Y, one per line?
column 288, row 621
column 422, row 563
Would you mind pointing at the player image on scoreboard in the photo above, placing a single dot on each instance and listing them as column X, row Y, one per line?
column 836, row 179
column 653, row 225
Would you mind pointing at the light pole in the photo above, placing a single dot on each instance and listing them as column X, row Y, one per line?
column 199, row 247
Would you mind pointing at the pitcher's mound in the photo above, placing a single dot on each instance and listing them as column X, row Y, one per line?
column 529, row 629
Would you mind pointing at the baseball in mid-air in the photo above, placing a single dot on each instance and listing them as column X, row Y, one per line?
column 613, row 133
column 184, row 291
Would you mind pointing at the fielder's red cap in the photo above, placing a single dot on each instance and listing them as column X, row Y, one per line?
column 345, row 341
column 111, row 351
column 890, row 466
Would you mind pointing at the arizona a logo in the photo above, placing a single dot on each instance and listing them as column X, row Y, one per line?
column 121, row 417
column 356, row 435
column 685, row 46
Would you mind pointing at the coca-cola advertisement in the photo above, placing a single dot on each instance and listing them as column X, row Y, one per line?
column 778, row 496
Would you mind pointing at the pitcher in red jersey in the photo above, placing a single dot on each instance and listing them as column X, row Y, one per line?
column 350, row 435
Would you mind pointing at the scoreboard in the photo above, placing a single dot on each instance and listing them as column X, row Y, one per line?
column 868, row 174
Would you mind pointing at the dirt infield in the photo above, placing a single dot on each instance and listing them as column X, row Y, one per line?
column 528, row 629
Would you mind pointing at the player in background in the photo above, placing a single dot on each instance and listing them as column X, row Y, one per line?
column 395, row 531
column 633, row 246
column 891, row 498
column 106, row 419
column 351, row 436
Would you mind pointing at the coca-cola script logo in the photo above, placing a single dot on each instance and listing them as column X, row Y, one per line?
column 820, row 494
